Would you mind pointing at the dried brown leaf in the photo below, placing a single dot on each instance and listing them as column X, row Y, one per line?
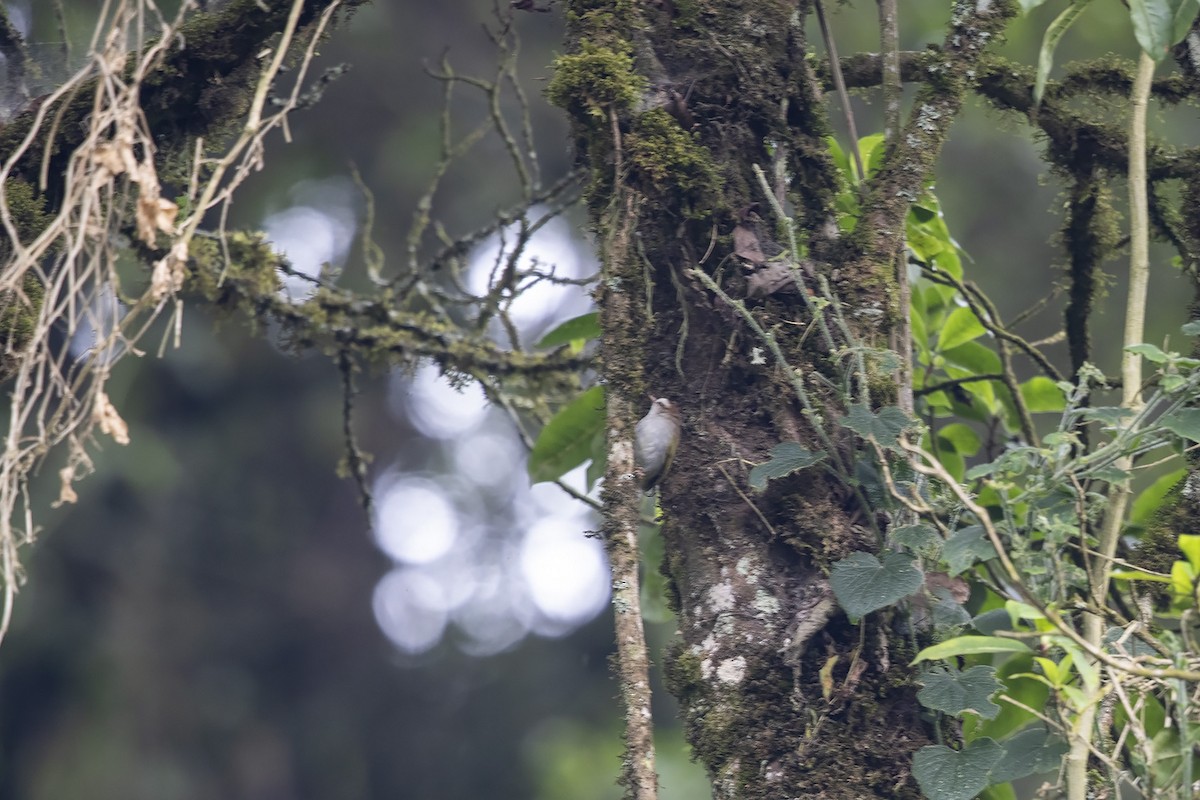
column 746, row 245
column 154, row 214
column 169, row 272
column 105, row 415
column 774, row 277
column 66, row 492
column 957, row 587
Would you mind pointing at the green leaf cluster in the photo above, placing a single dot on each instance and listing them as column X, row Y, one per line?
column 576, row 433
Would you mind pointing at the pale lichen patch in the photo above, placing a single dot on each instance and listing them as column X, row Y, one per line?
column 721, row 597
column 765, row 603
column 732, row 670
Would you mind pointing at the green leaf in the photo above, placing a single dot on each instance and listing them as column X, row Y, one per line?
column 1192, row 328
column 1185, row 12
column 924, row 243
column 1172, row 382
column 1109, row 416
column 1185, row 423
column 1148, row 352
column 1182, row 574
column 1028, row 753
column 1050, row 41
column 1087, row 670
column 976, row 358
column 936, row 297
column 840, row 159
column 970, row 646
column 991, row 621
column 1022, row 612
column 1159, row 24
column 947, row 613
column 882, row 360
column 1189, row 544
column 948, row 261
column 1152, row 497
column 965, row 547
column 998, row 791
column 863, row 584
column 1029, row 5
column 576, row 330
column 566, row 441
column 1111, row 474
column 962, row 437
column 885, row 427
column 1019, row 685
column 922, row 213
column 919, row 335
column 871, row 152
column 954, row 463
column 654, row 591
column 599, row 462
column 1042, row 394
column 961, row 326
column 955, row 693
column 1138, row 575
column 946, row 774
column 786, row 458
column 939, row 400
column 919, row 538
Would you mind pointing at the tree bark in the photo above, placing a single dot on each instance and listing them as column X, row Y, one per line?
column 782, row 695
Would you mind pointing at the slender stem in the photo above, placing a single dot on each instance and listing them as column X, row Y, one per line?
column 1131, row 397
column 889, row 46
column 835, row 66
column 622, row 496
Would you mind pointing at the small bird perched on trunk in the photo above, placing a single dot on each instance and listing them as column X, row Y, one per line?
column 655, row 440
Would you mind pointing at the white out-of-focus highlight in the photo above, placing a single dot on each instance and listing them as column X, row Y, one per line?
column 436, row 408
column 497, row 616
column 550, row 500
column 490, row 458
column 410, row 608
column 414, row 520
column 551, row 247
column 566, row 573
column 317, row 230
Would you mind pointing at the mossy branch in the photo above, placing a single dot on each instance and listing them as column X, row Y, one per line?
column 333, row 320
column 899, row 181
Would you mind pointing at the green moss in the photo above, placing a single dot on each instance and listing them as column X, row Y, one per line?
column 598, row 78
column 682, row 671
column 668, row 161
column 687, row 14
column 598, row 15
column 252, row 270
column 19, row 311
column 882, row 387
column 27, row 210
column 19, row 314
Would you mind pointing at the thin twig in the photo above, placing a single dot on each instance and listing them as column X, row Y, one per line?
column 1131, row 398
column 356, row 459
column 840, row 83
column 889, row 45
column 748, row 501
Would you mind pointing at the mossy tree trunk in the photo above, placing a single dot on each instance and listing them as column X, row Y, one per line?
column 675, row 105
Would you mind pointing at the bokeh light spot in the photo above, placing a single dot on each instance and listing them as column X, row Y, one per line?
column 414, row 521
column 410, row 608
column 436, row 408
column 565, row 571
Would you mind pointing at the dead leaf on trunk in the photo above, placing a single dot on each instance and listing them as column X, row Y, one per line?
column 746, row 245
column 776, row 276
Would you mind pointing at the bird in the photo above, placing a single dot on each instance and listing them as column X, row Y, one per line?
column 655, row 440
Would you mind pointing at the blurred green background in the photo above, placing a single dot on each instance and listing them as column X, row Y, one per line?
column 217, row 617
